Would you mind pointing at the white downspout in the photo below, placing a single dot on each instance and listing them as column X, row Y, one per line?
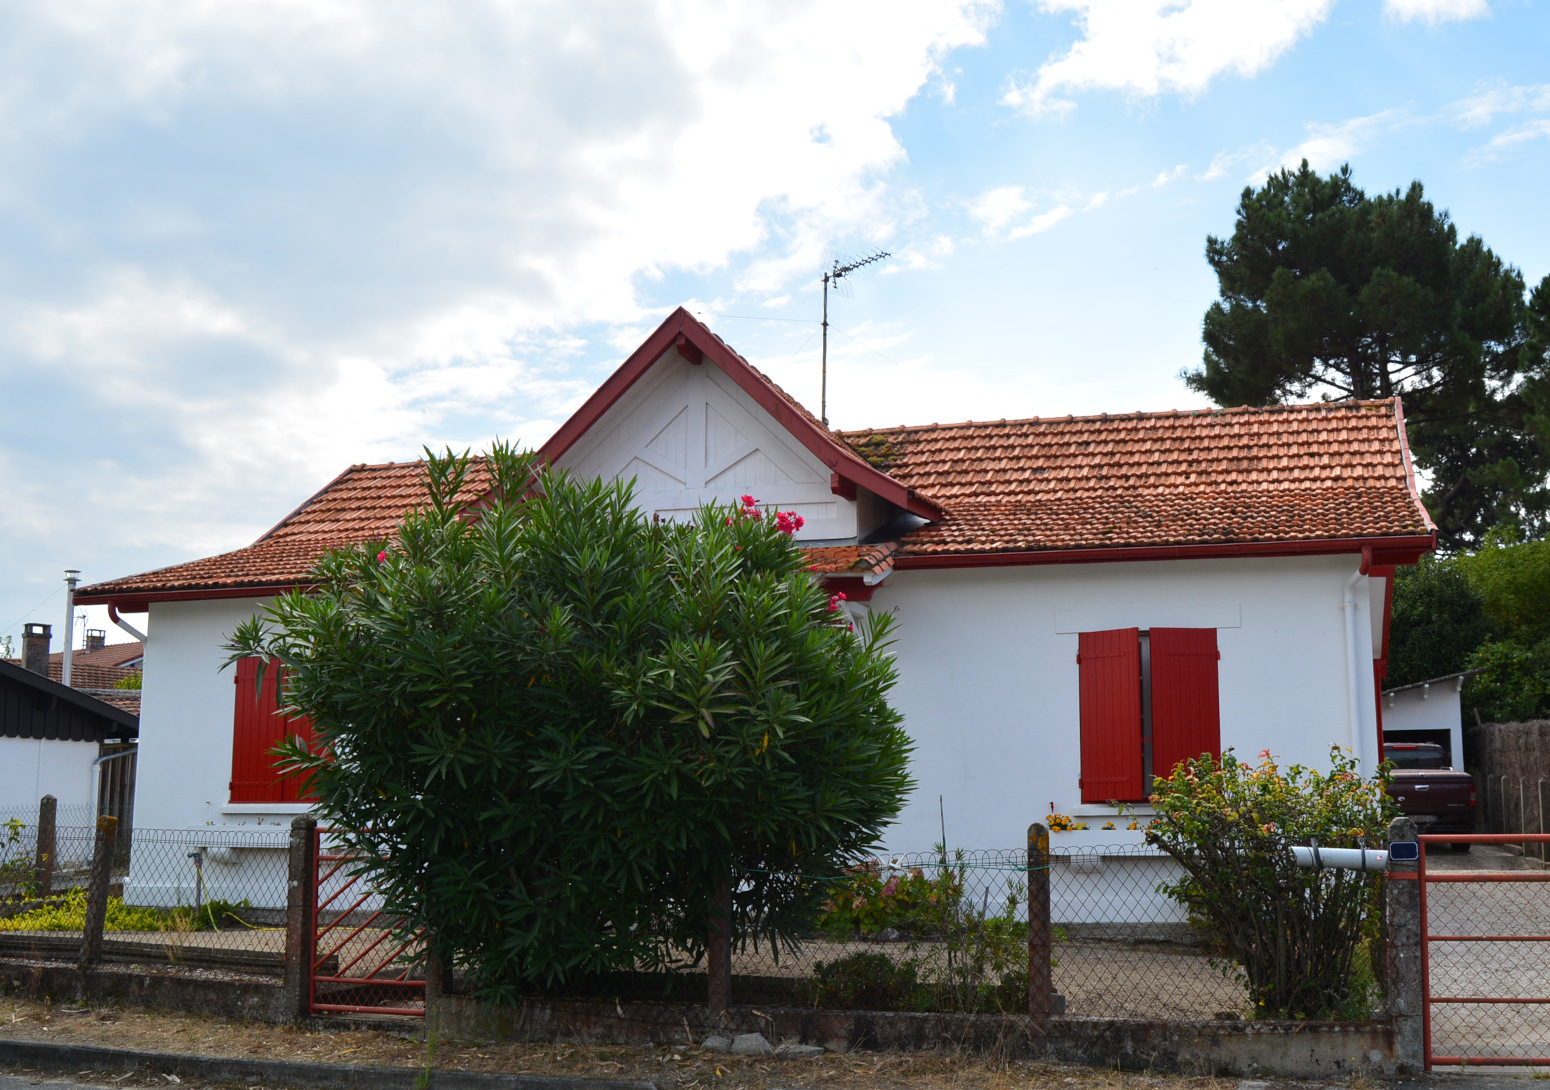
column 1352, row 652
column 125, row 625
column 96, row 770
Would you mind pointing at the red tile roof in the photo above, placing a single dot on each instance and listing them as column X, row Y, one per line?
column 364, row 503
column 1284, row 474
column 1289, row 474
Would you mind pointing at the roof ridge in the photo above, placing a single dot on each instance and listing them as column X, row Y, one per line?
column 1159, row 414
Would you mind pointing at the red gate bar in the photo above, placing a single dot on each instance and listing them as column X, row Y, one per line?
column 1427, row 999
column 344, row 933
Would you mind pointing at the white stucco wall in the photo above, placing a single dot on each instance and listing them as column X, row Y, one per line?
column 989, row 681
column 33, row 767
column 184, row 773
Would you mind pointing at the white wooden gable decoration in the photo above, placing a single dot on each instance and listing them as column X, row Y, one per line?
column 687, row 434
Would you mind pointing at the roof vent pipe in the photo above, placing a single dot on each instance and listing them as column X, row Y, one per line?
column 72, row 577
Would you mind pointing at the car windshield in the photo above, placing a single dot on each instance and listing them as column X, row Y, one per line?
column 1415, row 756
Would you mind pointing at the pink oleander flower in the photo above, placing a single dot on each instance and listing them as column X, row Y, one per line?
column 748, row 501
column 382, row 556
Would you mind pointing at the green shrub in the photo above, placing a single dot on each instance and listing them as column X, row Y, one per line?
column 1298, row 938
column 556, row 727
column 867, row 982
column 129, row 681
column 69, row 914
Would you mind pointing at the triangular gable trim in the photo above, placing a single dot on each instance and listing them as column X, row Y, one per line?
column 694, row 339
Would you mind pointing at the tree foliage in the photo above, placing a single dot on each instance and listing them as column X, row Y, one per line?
column 1488, row 611
column 1325, row 290
column 1302, row 939
column 1439, row 620
column 556, row 728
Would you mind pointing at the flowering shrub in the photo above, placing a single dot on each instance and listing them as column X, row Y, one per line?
column 1303, row 941
column 869, row 903
column 979, row 959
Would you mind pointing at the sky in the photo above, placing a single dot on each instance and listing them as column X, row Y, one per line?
column 245, row 245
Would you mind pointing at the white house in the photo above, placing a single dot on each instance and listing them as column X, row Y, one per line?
column 1082, row 601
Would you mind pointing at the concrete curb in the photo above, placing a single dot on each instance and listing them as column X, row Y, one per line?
column 61, row 1058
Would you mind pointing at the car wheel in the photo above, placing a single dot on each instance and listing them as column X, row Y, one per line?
column 1461, row 847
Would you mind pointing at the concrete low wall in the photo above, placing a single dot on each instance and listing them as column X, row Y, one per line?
column 257, row 1000
column 1318, row 1050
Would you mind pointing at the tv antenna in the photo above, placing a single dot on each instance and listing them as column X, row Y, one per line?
column 839, row 267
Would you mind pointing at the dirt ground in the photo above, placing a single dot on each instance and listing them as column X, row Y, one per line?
column 671, row 1067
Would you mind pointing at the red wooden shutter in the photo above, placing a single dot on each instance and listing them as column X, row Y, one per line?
column 1111, row 714
column 1186, row 711
column 257, row 727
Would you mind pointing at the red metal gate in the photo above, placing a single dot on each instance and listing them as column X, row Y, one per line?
column 362, row 962
column 1485, row 971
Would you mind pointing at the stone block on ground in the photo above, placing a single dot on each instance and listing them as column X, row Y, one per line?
column 716, row 1044
column 798, row 1052
column 750, row 1044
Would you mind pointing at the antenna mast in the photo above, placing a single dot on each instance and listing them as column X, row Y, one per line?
column 837, row 269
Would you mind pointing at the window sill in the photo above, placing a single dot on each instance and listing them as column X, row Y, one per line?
column 266, row 808
column 1095, row 810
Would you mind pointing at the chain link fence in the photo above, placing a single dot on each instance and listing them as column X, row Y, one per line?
column 949, row 932
column 201, row 900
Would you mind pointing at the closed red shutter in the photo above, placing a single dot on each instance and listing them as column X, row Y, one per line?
column 1186, row 711
column 257, row 727
column 1111, row 714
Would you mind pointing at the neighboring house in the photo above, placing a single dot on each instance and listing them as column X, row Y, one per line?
column 1082, row 601
column 1428, row 711
column 60, row 741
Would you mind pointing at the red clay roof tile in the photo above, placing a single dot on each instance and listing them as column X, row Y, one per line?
column 1289, row 473
column 1285, row 474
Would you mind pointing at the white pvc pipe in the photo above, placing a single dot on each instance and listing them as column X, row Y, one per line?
column 1353, row 716
column 1365, row 859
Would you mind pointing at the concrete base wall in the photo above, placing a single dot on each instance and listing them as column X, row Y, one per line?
column 258, row 1000
column 1317, row 1050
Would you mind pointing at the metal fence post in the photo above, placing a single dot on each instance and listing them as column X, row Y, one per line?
column 1041, row 988
column 300, row 911
column 48, row 813
column 718, row 954
column 1406, row 994
column 97, row 891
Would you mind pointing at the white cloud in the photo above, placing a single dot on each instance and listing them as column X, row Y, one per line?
column 1496, row 98
column 1503, row 143
column 1149, row 47
column 1042, row 222
column 1436, row 11
column 250, row 244
column 1327, row 146
column 995, row 208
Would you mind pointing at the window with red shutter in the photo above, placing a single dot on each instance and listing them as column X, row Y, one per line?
column 1110, row 664
column 257, row 728
column 1186, row 712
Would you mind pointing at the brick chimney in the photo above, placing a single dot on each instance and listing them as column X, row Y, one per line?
column 35, row 640
column 96, row 639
